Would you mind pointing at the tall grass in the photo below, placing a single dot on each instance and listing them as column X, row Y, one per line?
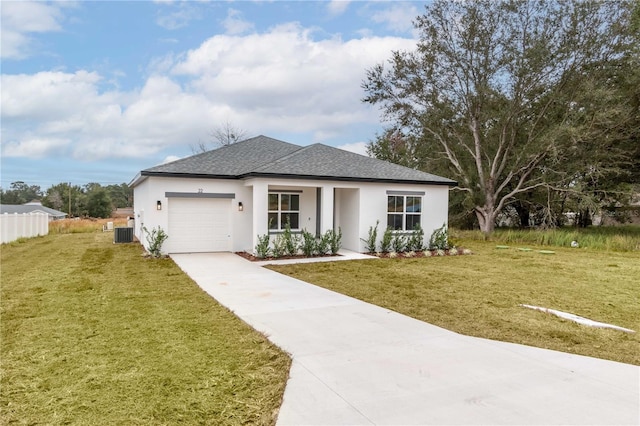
column 615, row 238
column 81, row 226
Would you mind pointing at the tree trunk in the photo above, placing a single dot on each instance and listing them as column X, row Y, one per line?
column 486, row 219
column 523, row 214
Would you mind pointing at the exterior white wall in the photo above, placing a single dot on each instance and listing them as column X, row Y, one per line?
column 360, row 208
column 153, row 189
column 373, row 207
column 347, row 217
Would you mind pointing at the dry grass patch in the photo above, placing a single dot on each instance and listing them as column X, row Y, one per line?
column 93, row 333
column 479, row 295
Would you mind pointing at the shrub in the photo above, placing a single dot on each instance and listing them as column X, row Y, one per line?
column 278, row 246
column 262, row 248
column 308, row 245
column 155, row 238
column 415, row 242
column 387, row 237
column 323, row 244
column 399, row 243
column 291, row 242
column 335, row 240
column 372, row 237
column 439, row 239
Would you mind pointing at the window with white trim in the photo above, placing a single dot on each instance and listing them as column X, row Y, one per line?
column 284, row 208
column 403, row 212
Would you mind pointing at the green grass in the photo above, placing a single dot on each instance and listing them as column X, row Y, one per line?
column 93, row 333
column 611, row 238
column 479, row 294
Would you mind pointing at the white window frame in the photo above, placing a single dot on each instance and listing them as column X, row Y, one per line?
column 279, row 225
column 404, row 213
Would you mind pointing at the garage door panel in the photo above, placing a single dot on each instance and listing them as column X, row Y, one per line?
column 199, row 225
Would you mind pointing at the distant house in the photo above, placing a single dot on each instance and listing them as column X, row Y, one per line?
column 221, row 200
column 32, row 207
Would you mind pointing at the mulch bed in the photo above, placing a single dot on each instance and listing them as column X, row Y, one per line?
column 434, row 253
column 418, row 254
column 253, row 258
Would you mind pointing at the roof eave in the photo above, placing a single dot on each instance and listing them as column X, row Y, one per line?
column 146, row 174
column 346, row 179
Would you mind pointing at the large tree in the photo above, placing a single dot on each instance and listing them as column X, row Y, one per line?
column 222, row 135
column 20, row 193
column 495, row 90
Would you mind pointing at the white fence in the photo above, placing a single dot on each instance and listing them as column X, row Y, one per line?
column 23, row 225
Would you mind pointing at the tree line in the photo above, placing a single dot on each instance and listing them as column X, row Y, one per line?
column 89, row 200
column 532, row 106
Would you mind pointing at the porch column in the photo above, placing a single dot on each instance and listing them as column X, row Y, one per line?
column 326, row 208
column 260, row 211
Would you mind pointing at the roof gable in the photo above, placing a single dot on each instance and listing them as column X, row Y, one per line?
column 322, row 161
column 267, row 157
column 228, row 161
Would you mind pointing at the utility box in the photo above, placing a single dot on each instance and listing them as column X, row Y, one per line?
column 123, row 234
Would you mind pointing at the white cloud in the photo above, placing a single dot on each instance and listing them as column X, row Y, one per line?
column 282, row 81
column 178, row 17
column 286, row 79
column 357, row 147
column 20, row 19
column 234, row 23
column 35, row 147
column 398, row 17
column 170, row 158
column 337, row 7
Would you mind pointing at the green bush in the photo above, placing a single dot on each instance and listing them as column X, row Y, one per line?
column 439, row 239
column 335, row 240
column 415, row 242
column 323, row 244
column 399, row 243
column 371, row 240
column 308, row 245
column 291, row 241
column 155, row 238
column 262, row 248
column 278, row 249
column 387, row 237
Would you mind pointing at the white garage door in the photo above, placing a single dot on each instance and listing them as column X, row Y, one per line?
column 199, row 225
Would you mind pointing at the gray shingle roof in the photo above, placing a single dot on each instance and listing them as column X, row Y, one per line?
column 30, row 208
column 266, row 157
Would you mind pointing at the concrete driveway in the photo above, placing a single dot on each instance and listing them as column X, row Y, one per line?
column 359, row 364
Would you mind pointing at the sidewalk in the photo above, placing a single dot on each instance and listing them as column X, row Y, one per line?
column 356, row 363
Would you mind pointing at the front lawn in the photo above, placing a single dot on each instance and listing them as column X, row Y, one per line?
column 478, row 295
column 93, row 333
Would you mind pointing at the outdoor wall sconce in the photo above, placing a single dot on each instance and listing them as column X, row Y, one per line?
column 240, row 206
column 159, row 205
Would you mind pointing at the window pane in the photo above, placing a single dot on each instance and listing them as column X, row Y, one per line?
column 292, row 218
column 285, row 201
column 414, row 204
column 394, row 221
column 412, row 221
column 273, row 201
column 273, row 221
column 394, row 203
column 295, row 203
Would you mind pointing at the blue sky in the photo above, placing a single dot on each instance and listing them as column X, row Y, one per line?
column 97, row 91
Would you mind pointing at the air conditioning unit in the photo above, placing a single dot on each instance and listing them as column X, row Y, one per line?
column 123, row 235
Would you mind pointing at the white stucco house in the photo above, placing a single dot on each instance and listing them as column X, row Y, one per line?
column 221, row 200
